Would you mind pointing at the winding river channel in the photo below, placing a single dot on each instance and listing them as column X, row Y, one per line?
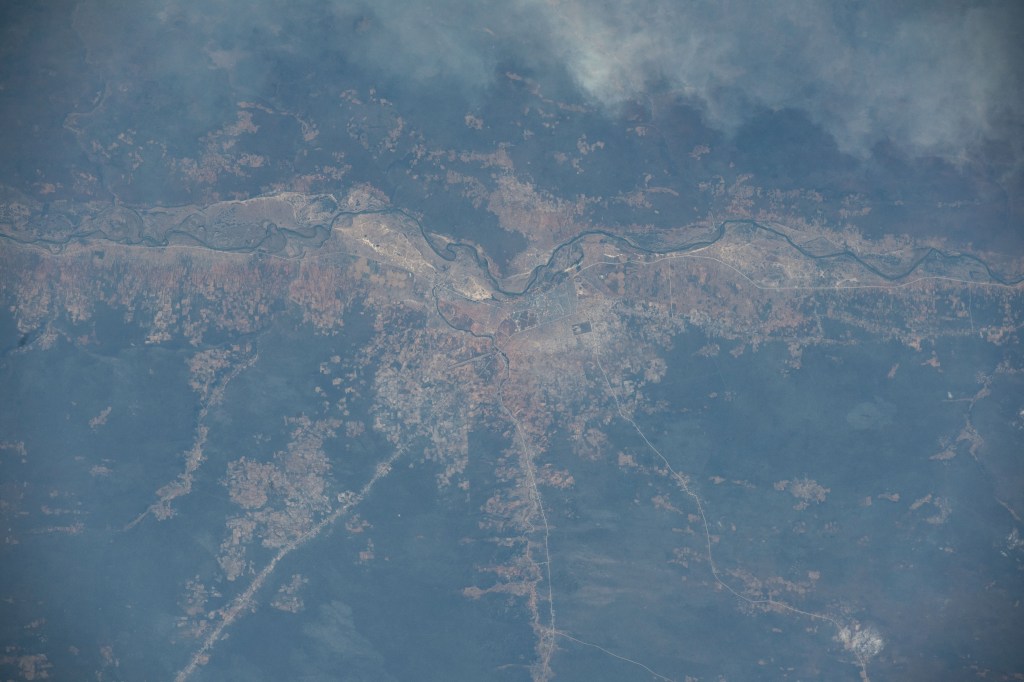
column 131, row 227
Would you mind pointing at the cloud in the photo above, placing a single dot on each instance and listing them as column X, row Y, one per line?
column 936, row 78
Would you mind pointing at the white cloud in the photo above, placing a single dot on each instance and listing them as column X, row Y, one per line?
column 936, row 78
